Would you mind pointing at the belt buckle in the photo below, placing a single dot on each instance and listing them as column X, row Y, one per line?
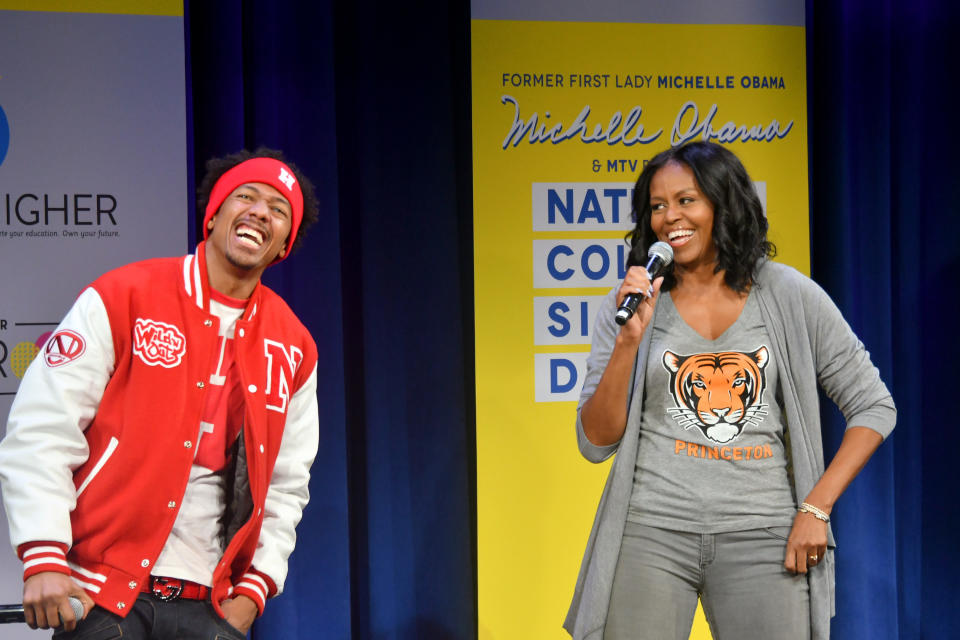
column 166, row 589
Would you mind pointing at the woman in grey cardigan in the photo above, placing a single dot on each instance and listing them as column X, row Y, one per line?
column 708, row 396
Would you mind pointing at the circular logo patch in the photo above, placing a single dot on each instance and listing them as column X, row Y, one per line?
column 63, row 347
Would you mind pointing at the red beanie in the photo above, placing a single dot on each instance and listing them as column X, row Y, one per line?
column 267, row 171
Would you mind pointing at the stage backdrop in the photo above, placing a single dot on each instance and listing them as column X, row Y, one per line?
column 568, row 104
column 93, row 168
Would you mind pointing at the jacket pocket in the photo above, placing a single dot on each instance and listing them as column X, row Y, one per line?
column 111, row 447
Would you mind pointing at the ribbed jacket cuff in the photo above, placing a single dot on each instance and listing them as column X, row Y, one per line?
column 41, row 556
column 257, row 586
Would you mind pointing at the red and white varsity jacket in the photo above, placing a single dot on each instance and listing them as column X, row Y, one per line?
column 101, row 435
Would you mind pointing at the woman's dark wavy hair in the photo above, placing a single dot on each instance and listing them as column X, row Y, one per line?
column 216, row 167
column 739, row 226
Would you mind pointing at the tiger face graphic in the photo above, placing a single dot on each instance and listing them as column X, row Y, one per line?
column 720, row 393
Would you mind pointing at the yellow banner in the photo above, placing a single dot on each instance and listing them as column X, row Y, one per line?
column 564, row 116
column 132, row 7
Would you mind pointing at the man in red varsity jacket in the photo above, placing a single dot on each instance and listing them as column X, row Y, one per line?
column 157, row 454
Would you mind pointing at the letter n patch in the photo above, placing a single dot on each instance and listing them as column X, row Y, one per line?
column 282, row 365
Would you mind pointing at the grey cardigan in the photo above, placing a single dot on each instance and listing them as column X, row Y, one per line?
column 812, row 343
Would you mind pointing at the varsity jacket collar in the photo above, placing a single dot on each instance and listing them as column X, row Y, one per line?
column 196, row 283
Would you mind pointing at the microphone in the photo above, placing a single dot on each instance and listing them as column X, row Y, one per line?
column 14, row 612
column 659, row 257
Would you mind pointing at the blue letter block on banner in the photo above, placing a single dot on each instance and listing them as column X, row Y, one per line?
column 556, row 364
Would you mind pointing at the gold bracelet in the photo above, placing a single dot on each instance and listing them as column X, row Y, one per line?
column 806, row 507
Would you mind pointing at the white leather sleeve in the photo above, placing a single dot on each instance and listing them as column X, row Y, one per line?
column 289, row 491
column 44, row 441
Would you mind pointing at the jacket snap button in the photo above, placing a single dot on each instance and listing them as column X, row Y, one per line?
column 144, row 563
column 120, row 605
column 241, row 333
column 132, row 584
column 200, row 384
column 252, row 388
column 187, row 444
column 208, row 323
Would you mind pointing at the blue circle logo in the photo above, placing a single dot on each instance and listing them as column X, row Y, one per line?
column 4, row 135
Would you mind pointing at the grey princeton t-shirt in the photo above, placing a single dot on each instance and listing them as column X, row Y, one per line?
column 712, row 456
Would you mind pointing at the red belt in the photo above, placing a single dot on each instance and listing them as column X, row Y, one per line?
column 164, row 588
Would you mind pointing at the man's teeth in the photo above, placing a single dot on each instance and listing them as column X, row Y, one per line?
column 245, row 233
column 682, row 233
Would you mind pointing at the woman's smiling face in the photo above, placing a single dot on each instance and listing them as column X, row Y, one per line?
column 682, row 216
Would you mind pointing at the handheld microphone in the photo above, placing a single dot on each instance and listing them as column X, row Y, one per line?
column 660, row 255
column 14, row 612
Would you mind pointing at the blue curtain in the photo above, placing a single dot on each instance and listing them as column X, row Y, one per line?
column 262, row 77
column 886, row 246
column 372, row 100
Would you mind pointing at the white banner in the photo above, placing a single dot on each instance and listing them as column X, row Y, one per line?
column 93, row 174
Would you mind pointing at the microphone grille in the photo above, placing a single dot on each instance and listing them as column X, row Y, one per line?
column 77, row 607
column 661, row 250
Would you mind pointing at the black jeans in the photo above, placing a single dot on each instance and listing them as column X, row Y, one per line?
column 153, row 619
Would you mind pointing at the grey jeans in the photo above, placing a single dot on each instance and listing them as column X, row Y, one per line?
column 739, row 577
